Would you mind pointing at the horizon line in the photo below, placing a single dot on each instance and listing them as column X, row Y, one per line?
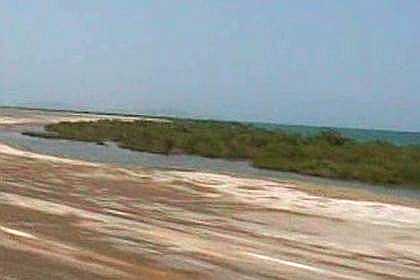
column 131, row 114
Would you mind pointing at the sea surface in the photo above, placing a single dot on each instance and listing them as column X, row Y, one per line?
column 400, row 138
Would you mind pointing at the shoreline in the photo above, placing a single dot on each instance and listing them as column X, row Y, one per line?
column 326, row 155
column 57, row 116
column 333, row 192
column 193, row 225
column 316, row 188
column 169, row 117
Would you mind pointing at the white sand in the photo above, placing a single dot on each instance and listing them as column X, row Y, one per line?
column 22, row 117
column 5, row 149
column 279, row 196
column 264, row 193
column 17, row 233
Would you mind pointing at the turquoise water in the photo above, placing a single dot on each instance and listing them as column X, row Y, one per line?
column 363, row 135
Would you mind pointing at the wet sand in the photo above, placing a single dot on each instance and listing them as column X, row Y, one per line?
column 63, row 219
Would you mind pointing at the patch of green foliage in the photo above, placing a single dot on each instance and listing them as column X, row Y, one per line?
column 328, row 154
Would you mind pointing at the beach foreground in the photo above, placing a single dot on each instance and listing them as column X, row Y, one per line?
column 65, row 219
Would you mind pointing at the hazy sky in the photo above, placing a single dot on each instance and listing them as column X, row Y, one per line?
column 342, row 63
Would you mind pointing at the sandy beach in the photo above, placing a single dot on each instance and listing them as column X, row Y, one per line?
column 63, row 218
column 201, row 140
column 14, row 117
column 76, row 220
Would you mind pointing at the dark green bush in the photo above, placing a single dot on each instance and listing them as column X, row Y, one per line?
column 328, row 154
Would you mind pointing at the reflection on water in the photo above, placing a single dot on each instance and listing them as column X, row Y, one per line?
column 114, row 155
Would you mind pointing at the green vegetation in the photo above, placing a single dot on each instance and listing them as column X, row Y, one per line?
column 328, row 154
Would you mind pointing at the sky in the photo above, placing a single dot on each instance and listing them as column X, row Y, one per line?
column 325, row 63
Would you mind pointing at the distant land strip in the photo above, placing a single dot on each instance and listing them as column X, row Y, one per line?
column 327, row 154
